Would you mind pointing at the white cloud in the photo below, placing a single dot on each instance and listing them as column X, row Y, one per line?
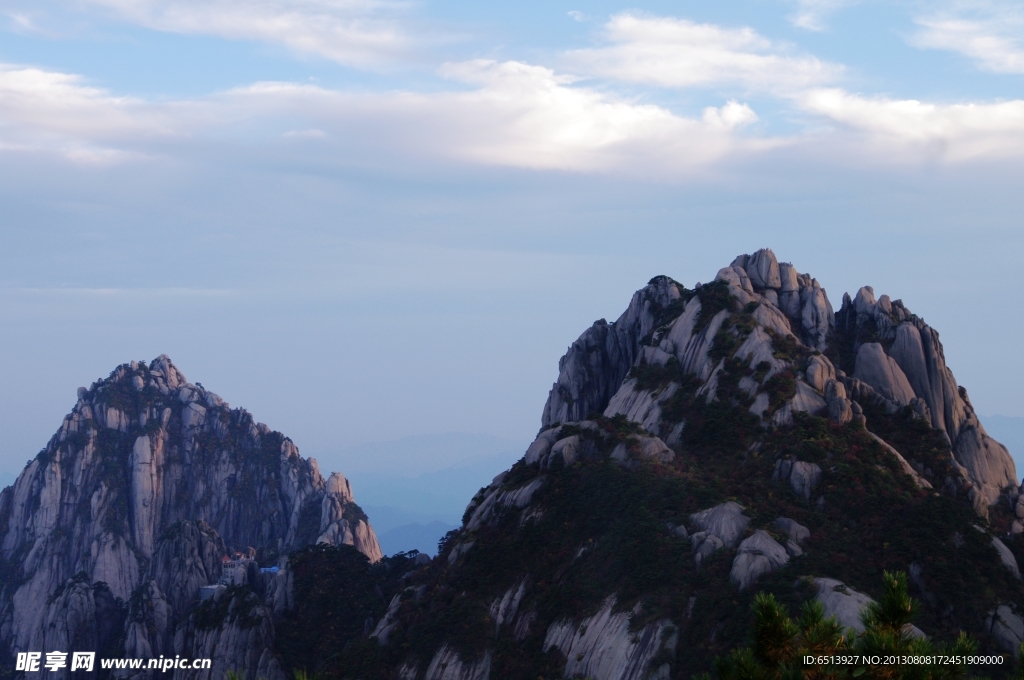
column 311, row 133
column 514, row 114
column 990, row 33
column 732, row 115
column 577, row 15
column 507, row 114
column 670, row 52
column 57, row 112
column 525, row 116
column 949, row 132
column 811, row 14
column 350, row 32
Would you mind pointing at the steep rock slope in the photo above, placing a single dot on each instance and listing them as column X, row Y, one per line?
column 708, row 444
column 894, row 353
column 147, row 484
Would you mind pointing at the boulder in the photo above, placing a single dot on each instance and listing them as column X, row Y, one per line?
column 806, row 400
column 704, row 546
column 840, row 409
column 883, row 374
column 540, row 448
column 763, row 270
column 795, row 532
column 654, row 448
column 726, row 521
column 819, row 372
column 803, row 477
column 864, row 301
column 1006, row 557
column 846, row 605
column 1006, row 628
column 788, row 278
column 568, row 448
column 816, row 316
column 757, row 555
column 739, row 284
column 772, row 318
column 604, row 647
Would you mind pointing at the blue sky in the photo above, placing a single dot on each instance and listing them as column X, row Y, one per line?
column 365, row 220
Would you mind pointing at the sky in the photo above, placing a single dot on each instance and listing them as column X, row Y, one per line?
column 365, row 220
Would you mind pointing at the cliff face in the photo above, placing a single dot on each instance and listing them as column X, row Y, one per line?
column 710, row 443
column 147, row 484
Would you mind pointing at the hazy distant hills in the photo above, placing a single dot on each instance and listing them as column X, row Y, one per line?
column 415, row 488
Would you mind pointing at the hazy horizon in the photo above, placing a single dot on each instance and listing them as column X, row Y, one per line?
column 375, row 220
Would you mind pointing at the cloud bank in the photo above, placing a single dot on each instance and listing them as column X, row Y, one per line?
column 991, row 34
column 511, row 113
column 670, row 52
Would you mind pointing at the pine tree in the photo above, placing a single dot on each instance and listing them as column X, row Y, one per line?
column 780, row 644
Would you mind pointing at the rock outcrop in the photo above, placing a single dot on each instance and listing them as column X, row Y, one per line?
column 846, row 605
column 803, row 477
column 1006, row 627
column 594, row 366
column 725, row 521
column 795, row 534
column 149, row 482
column 601, row 646
column 447, row 665
column 757, row 555
column 904, row 366
column 236, row 632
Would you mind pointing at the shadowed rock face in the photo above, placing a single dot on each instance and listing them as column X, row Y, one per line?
column 906, row 366
column 144, row 488
column 595, row 365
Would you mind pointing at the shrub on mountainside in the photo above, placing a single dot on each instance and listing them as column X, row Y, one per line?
column 339, row 596
column 714, row 297
column 781, row 645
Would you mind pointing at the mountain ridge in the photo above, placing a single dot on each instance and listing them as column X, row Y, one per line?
column 707, row 444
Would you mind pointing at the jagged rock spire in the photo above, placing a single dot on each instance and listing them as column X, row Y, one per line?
column 886, row 355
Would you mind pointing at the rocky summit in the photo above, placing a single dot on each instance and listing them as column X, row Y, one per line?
column 709, row 444
column 153, row 490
